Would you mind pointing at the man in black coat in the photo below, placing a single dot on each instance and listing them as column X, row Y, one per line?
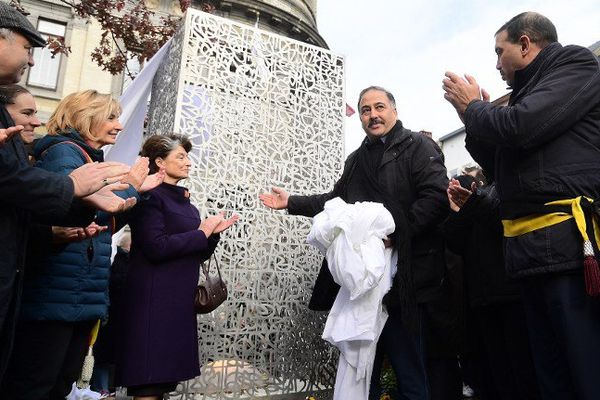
column 495, row 316
column 545, row 147
column 402, row 170
column 25, row 190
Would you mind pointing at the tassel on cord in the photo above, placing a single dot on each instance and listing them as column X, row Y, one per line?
column 86, row 371
column 591, row 270
column 88, row 363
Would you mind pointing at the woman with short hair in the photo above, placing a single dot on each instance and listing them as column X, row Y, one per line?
column 169, row 241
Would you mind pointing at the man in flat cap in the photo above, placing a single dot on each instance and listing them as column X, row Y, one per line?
column 26, row 191
column 17, row 40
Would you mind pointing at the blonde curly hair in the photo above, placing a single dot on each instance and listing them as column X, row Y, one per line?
column 83, row 111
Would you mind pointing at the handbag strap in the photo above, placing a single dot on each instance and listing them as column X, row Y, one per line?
column 206, row 268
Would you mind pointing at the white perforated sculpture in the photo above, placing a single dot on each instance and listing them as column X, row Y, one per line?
column 261, row 110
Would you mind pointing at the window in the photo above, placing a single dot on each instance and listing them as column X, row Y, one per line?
column 45, row 71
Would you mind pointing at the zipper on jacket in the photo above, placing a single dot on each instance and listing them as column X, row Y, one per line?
column 90, row 251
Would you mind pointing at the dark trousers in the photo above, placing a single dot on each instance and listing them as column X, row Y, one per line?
column 506, row 369
column 9, row 307
column 564, row 329
column 406, row 353
column 445, row 381
column 47, row 358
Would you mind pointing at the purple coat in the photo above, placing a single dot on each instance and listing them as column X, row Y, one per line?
column 160, row 339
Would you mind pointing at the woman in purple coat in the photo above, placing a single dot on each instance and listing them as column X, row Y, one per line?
column 169, row 241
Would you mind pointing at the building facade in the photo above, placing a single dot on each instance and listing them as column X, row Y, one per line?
column 52, row 78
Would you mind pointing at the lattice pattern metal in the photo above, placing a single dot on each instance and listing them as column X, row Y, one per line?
column 261, row 110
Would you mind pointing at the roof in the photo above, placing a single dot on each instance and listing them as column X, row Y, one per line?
column 452, row 134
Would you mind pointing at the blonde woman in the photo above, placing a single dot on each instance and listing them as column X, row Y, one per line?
column 66, row 284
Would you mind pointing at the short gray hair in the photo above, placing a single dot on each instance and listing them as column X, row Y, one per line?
column 161, row 145
column 7, row 34
column 389, row 95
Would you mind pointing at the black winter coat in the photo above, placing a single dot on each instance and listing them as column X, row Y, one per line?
column 543, row 146
column 25, row 192
column 475, row 233
column 412, row 171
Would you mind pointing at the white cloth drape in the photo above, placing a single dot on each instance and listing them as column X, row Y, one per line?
column 134, row 104
column 351, row 237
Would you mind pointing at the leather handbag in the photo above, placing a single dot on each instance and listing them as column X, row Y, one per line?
column 211, row 293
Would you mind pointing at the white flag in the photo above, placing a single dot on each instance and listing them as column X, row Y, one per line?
column 134, row 104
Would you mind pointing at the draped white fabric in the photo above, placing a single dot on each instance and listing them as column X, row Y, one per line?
column 351, row 237
column 134, row 104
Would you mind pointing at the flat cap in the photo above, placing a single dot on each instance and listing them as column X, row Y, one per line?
column 12, row 19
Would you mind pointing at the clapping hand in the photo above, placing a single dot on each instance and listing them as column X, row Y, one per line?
column 62, row 234
column 91, row 177
column 152, row 181
column 458, row 195
column 462, row 91
column 105, row 200
column 138, row 173
column 217, row 223
column 7, row 133
column 226, row 223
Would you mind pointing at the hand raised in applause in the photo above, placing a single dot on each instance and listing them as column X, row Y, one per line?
column 276, row 200
column 462, row 91
column 217, row 223
column 226, row 223
column 105, row 200
column 152, row 181
column 62, row 234
column 458, row 195
column 91, row 177
column 138, row 173
column 7, row 133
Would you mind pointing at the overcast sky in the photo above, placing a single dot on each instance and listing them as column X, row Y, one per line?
column 406, row 46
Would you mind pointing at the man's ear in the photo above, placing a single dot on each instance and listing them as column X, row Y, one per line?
column 525, row 43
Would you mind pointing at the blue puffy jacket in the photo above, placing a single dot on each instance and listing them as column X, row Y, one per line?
column 69, row 282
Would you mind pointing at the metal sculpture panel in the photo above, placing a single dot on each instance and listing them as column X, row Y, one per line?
column 262, row 110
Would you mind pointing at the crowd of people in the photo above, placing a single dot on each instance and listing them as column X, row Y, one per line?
column 497, row 277
column 60, row 207
column 527, row 241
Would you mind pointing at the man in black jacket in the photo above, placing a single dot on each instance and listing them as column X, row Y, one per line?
column 495, row 316
column 545, row 147
column 402, row 170
column 25, row 190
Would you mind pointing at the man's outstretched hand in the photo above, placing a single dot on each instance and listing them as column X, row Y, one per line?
column 276, row 200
